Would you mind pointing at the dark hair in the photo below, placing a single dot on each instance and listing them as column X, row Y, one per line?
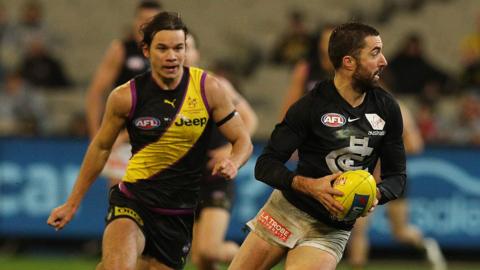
column 162, row 21
column 149, row 4
column 348, row 39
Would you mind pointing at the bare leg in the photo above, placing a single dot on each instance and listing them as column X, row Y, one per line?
column 123, row 242
column 209, row 242
column 358, row 245
column 310, row 258
column 407, row 233
column 402, row 231
column 257, row 254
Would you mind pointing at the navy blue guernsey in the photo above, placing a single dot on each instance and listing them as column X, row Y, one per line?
column 332, row 136
column 134, row 62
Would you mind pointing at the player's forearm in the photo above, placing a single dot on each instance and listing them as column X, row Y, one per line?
column 302, row 184
column 241, row 150
column 92, row 165
column 273, row 172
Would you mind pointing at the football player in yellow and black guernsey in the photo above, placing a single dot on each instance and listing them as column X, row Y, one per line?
column 168, row 113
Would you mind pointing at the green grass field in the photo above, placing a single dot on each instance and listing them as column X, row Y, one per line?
column 85, row 263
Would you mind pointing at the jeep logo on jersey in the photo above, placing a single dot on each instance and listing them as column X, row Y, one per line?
column 191, row 122
column 147, row 123
column 333, row 120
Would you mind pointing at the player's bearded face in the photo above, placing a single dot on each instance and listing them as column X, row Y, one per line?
column 370, row 63
column 365, row 78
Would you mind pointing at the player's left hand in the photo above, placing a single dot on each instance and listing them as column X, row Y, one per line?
column 374, row 204
column 225, row 168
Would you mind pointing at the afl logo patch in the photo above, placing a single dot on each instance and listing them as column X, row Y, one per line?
column 147, row 123
column 333, row 120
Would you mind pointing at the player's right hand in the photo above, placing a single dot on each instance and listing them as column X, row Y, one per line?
column 60, row 216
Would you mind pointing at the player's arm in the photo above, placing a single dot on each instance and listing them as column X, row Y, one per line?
column 392, row 156
column 412, row 139
column 296, row 87
column 231, row 126
column 117, row 109
column 248, row 115
column 102, row 81
column 285, row 139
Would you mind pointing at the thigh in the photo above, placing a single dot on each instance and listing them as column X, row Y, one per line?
column 257, row 254
column 305, row 258
column 360, row 227
column 167, row 238
column 123, row 242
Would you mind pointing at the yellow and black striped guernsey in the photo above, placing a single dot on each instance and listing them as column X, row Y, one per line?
column 169, row 132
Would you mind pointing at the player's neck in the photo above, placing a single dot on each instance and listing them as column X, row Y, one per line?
column 343, row 84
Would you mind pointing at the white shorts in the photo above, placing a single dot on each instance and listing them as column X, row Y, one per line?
column 282, row 224
column 117, row 162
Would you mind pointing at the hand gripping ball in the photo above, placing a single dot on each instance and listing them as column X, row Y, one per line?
column 359, row 191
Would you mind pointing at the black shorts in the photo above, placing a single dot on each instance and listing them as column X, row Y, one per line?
column 167, row 237
column 216, row 192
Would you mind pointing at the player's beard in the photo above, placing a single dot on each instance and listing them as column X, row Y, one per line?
column 362, row 80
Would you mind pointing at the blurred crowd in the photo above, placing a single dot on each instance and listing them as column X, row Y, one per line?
column 446, row 106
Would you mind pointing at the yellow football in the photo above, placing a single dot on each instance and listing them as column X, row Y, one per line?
column 359, row 191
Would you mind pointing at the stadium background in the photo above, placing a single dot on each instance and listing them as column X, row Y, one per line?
column 36, row 173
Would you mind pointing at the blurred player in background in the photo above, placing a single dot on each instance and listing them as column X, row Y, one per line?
column 343, row 124
column 308, row 72
column 123, row 60
column 216, row 193
column 397, row 213
column 168, row 112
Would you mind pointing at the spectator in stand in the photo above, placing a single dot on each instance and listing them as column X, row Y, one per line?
column 411, row 73
column 78, row 128
column 470, row 47
column 4, row 23
column 292, row 45
column 465, row 129
column 470, row 50
column 22, row 111
column 18, row 36
column 40, row 68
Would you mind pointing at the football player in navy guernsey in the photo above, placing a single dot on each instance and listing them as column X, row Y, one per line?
column 347, row 123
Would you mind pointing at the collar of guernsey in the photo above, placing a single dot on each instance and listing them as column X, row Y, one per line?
column 178, row 138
